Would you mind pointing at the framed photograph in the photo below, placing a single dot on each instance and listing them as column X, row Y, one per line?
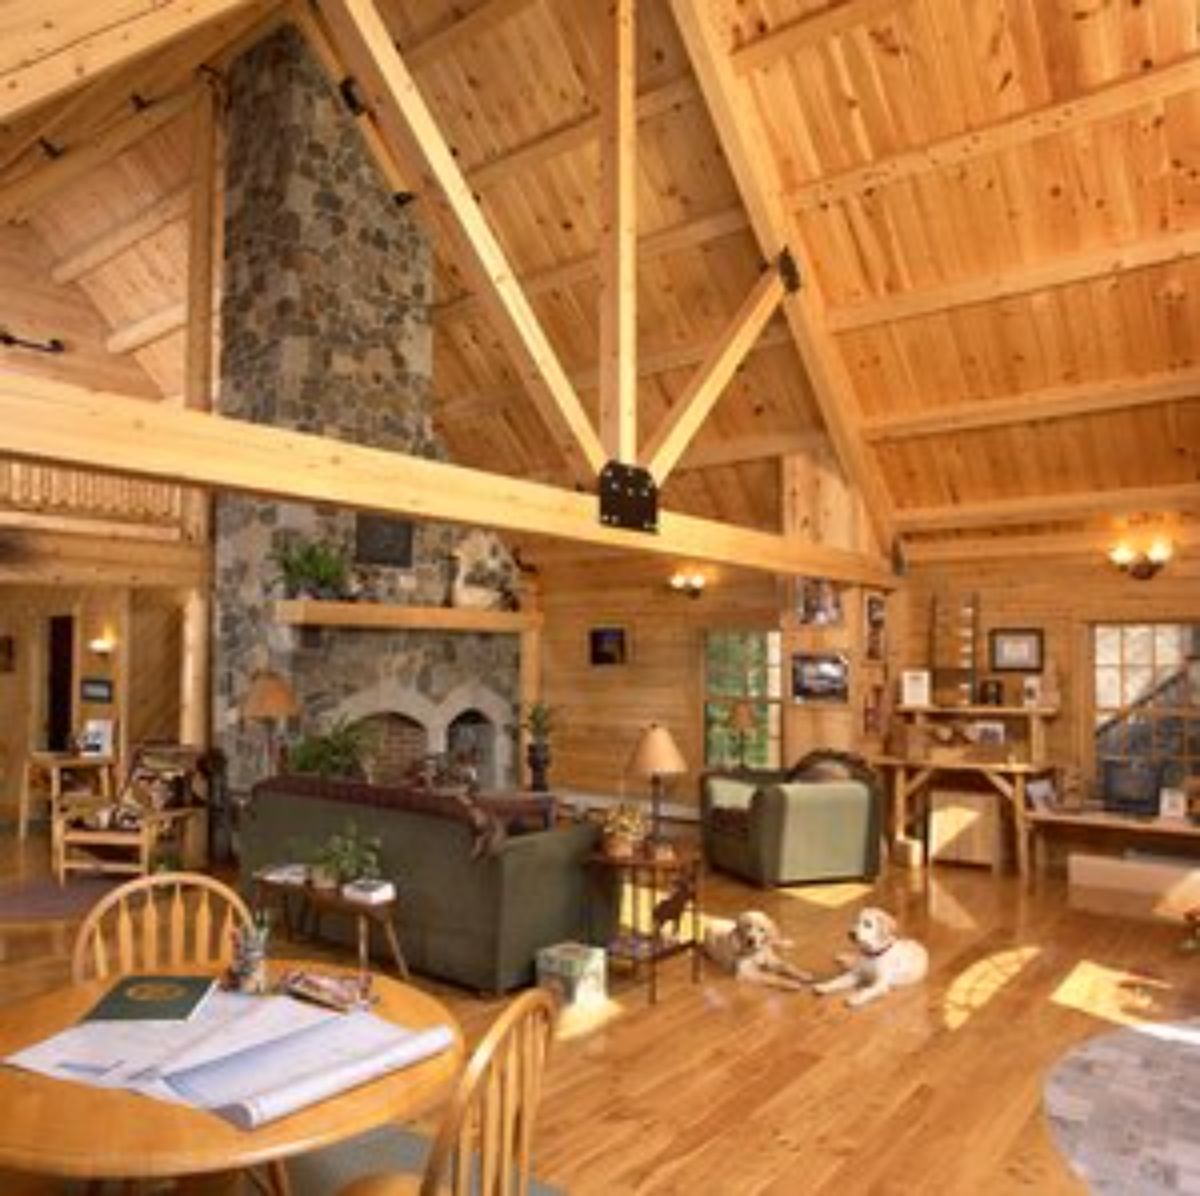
column 874, row 618
column 8, row 654
column 916, row 687
column 383, row 540
column 1031, row 690
column 818, row 602
column 1015, row 650
column 1172, row 803
column 989, row 733
column 98, row 737
column 820, row 677
column 98, row 690
column 608, row 646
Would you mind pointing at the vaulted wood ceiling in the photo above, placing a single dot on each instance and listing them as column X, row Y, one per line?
column 995, row 206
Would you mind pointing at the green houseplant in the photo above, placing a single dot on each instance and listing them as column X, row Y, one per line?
column 346, row 856
column 338, row 752
column 312, row 568
column 539, row 721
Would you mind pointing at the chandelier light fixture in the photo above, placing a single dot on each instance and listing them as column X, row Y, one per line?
column 1141, row 563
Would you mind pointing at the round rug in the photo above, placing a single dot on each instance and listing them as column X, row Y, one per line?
column 45, row 900
column 1125, row 1109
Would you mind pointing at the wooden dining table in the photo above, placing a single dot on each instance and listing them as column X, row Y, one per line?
column 57, row 1128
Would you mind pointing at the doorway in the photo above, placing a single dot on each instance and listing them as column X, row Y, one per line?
column 60, row 682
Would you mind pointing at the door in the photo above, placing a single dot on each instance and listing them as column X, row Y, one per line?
column 60, row 683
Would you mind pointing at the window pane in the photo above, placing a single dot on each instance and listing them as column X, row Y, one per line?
column 1168, row 738
column 1135, row 684
column 1168, row 644
column 1108, row 645
column 1108, row 688
column 1139, row 645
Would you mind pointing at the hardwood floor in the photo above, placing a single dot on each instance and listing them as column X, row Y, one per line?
column 724, row 1089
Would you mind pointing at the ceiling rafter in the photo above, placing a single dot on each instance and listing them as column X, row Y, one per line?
column 1106, row 102
column 1109, row 261
column 759, row 188
column 394, row 101
column 1033, row 406
column 1049, row 508
column 148, row 330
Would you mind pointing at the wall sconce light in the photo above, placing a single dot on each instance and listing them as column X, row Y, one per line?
column 689, row 584
column 103, row 645
column 1141, row 564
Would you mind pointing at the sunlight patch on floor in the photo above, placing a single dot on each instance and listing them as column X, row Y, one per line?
column 828, row 896
column 946, row 909
column 1123, row 998
column 578, row 1021
column 972, row 989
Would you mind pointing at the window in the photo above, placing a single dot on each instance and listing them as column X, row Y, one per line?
column 743, row 679
column 1147, row 697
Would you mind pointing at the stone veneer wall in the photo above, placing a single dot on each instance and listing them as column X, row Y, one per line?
column 325, row 328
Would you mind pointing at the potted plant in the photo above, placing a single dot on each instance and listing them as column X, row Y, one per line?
column 624, row 831
column 312, row 569
column 338, row 752
column 538, row 722
column 346, row 856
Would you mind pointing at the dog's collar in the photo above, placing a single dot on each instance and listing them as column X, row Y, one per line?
column 877, row 954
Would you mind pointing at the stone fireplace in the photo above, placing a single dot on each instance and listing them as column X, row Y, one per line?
column 326, row 328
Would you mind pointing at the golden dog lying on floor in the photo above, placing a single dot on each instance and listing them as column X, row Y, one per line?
column 748, row 947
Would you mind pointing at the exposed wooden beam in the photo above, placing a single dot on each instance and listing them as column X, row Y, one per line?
column 579, row 269
column 476, row 23
column 751, row 162
column 18, row 198
column 1102, row 104
column 363, row 42
column 1049, row 508
column 618, row 234
column 1106, row 262
column 692, row 408
column 200, row 343
column 810, row 30
column 148, row 330
column 84, row 525
column 742, row 450
column 481, row 403
column 125, row 236
column 1084, row 542
column 52, row 422
column 1036, row 406
column 37, row 557
column 27, row 79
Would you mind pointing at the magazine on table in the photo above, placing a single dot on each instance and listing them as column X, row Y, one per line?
column 248, row 1059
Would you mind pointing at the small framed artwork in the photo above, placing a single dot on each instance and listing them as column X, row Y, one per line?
column 98, row 737
column 1015, row 649
column 818, row 602
column 820, row 677
column 608, row 646
column 874, row 613
column 916, row 687
column 97, row 690
column 8, row 654
column 1172, row 803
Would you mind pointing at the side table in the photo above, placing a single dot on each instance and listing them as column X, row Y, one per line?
column 655, row 894
column 315, row 902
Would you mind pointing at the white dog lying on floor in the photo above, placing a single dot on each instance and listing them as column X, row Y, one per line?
column 748, row 948
column 881, row 963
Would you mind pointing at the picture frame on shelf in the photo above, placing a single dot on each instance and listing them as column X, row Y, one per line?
column 916, row 687
column 608, row 646
column 1015, row 650
column 98, row 737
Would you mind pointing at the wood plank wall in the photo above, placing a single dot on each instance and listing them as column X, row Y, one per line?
column 602, row 709
column 1064, row 598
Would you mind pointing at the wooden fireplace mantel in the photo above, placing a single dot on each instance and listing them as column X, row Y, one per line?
column 307, row 612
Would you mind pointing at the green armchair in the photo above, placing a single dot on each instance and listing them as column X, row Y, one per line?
column 818, row 821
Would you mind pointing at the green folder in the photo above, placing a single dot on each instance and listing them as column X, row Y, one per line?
column 152, row 998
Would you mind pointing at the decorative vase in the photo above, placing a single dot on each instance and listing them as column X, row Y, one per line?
column 537, row 756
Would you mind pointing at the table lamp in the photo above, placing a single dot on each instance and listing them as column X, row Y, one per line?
column 741, row 723
column 270, row 700
column 656, row 757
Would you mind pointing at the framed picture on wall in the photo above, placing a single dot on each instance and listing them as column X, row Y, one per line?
column 98, row 738
column 8, row 654
column 820, row 677
column 608, row 646
column 1015, row 649
column 874, row 628
column 97, row 690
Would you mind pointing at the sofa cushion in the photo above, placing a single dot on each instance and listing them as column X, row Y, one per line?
column 729, row 793
column 730, row 820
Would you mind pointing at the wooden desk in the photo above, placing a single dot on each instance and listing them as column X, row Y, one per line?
column 645, row 883
column 1039, row 823
column 54, row 767
column 910, row 778
column 74, row 1131
column 315, row 902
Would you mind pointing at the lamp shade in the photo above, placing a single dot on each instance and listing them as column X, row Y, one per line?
column 741, row 717
column 269, row 697
column 656, row 754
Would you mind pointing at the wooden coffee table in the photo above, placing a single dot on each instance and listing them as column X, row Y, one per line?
column 75, row 1131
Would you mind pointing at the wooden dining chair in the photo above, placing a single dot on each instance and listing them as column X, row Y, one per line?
column 165, row 919
column 488, row 1129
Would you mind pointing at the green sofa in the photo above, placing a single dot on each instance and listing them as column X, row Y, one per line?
column 474, row 907
column 818, row 821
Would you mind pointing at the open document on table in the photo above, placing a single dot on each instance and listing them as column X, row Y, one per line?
column 249, row 1059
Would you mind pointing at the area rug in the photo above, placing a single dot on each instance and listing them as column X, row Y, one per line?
column 1125, row 1110
column 44, row 900
column 387, row 1149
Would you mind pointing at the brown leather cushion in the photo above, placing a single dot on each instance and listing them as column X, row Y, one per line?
column 728, row 820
